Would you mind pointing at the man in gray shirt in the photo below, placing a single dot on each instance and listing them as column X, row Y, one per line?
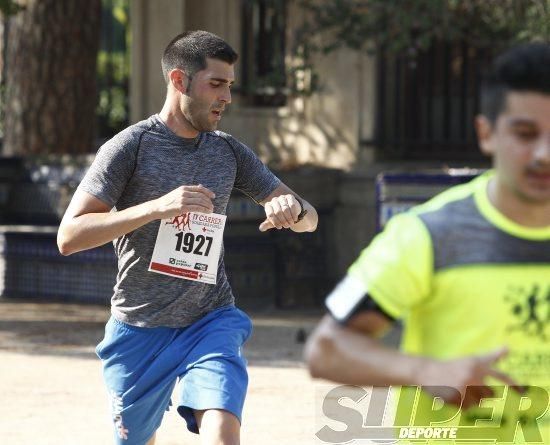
column 159, row 190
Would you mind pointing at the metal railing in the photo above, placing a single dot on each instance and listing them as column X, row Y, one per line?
column 426, row 105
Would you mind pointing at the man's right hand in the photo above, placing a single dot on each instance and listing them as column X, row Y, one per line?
column 463, row 380
column 184, row 199
column 89, row 222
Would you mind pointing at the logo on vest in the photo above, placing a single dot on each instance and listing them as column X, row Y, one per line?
column 531, row 309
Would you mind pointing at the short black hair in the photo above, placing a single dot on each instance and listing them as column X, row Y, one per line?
column 522, row 68
column 188, row 51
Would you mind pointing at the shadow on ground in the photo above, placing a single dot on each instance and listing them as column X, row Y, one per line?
column 73, row 330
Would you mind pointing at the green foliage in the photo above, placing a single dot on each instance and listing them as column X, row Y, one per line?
column 112, row 106
column 410, row 26
column 113, row 68
column 303, row 79
column 10, row 7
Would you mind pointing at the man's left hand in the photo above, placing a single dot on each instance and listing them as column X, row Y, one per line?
column 281, row 213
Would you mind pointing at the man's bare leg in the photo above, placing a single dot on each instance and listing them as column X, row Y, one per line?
column 152, row 440
column 218, row 427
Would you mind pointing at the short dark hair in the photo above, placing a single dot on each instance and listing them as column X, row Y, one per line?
column 522, row 68
column 188, row 51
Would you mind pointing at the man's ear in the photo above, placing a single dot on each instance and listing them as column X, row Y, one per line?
column 179, row 80
column 484, row 131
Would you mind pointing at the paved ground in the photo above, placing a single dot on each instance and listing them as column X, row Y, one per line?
column 51, row 390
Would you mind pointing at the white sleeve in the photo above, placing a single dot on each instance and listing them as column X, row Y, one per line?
column 345, row 298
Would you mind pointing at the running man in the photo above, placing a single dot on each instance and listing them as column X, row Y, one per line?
column 171, row 321
column 468, row 273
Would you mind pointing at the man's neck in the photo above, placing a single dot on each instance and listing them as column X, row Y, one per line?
column 176, row 121
column 521, row 211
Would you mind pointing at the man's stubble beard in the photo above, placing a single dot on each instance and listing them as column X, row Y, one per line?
column 197, row 115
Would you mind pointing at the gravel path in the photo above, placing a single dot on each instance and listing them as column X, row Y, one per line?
column 52, row 391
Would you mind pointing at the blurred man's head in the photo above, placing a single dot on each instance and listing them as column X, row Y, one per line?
column 514, row 125
column 199, row 65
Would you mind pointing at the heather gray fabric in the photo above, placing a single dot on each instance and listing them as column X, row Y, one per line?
column 144, row 162
column 462, row 236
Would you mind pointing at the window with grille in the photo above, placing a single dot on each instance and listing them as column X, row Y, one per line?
column 426, row 105
column 263, row 52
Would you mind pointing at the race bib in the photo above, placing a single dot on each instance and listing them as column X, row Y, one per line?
column 189, row 247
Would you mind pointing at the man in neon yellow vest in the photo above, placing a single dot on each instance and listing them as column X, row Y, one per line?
column 468, row 273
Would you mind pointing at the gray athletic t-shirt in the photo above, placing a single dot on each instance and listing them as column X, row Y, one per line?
column 144, row 162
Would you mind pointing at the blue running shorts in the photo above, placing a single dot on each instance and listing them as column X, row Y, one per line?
column 142, row 365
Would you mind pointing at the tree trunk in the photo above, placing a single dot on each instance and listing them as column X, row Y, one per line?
column 51, row 77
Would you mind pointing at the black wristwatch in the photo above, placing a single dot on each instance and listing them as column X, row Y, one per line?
column 303, row 212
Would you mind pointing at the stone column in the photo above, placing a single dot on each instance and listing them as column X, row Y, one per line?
column 153, row 24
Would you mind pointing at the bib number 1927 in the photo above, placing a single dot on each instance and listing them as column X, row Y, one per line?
column 186, row 243
column 195, row 252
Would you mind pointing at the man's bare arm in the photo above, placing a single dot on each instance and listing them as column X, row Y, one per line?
column 89, row 222
column 352, row 355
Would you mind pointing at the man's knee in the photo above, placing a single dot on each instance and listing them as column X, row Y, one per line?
column 218, row 427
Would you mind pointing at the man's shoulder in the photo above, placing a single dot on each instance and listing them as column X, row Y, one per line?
column 221, row 136
column 452, row 211
column 227, row 141
column 462, row 234
column 458, row 195
column 447, row 209
column 131, row 135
